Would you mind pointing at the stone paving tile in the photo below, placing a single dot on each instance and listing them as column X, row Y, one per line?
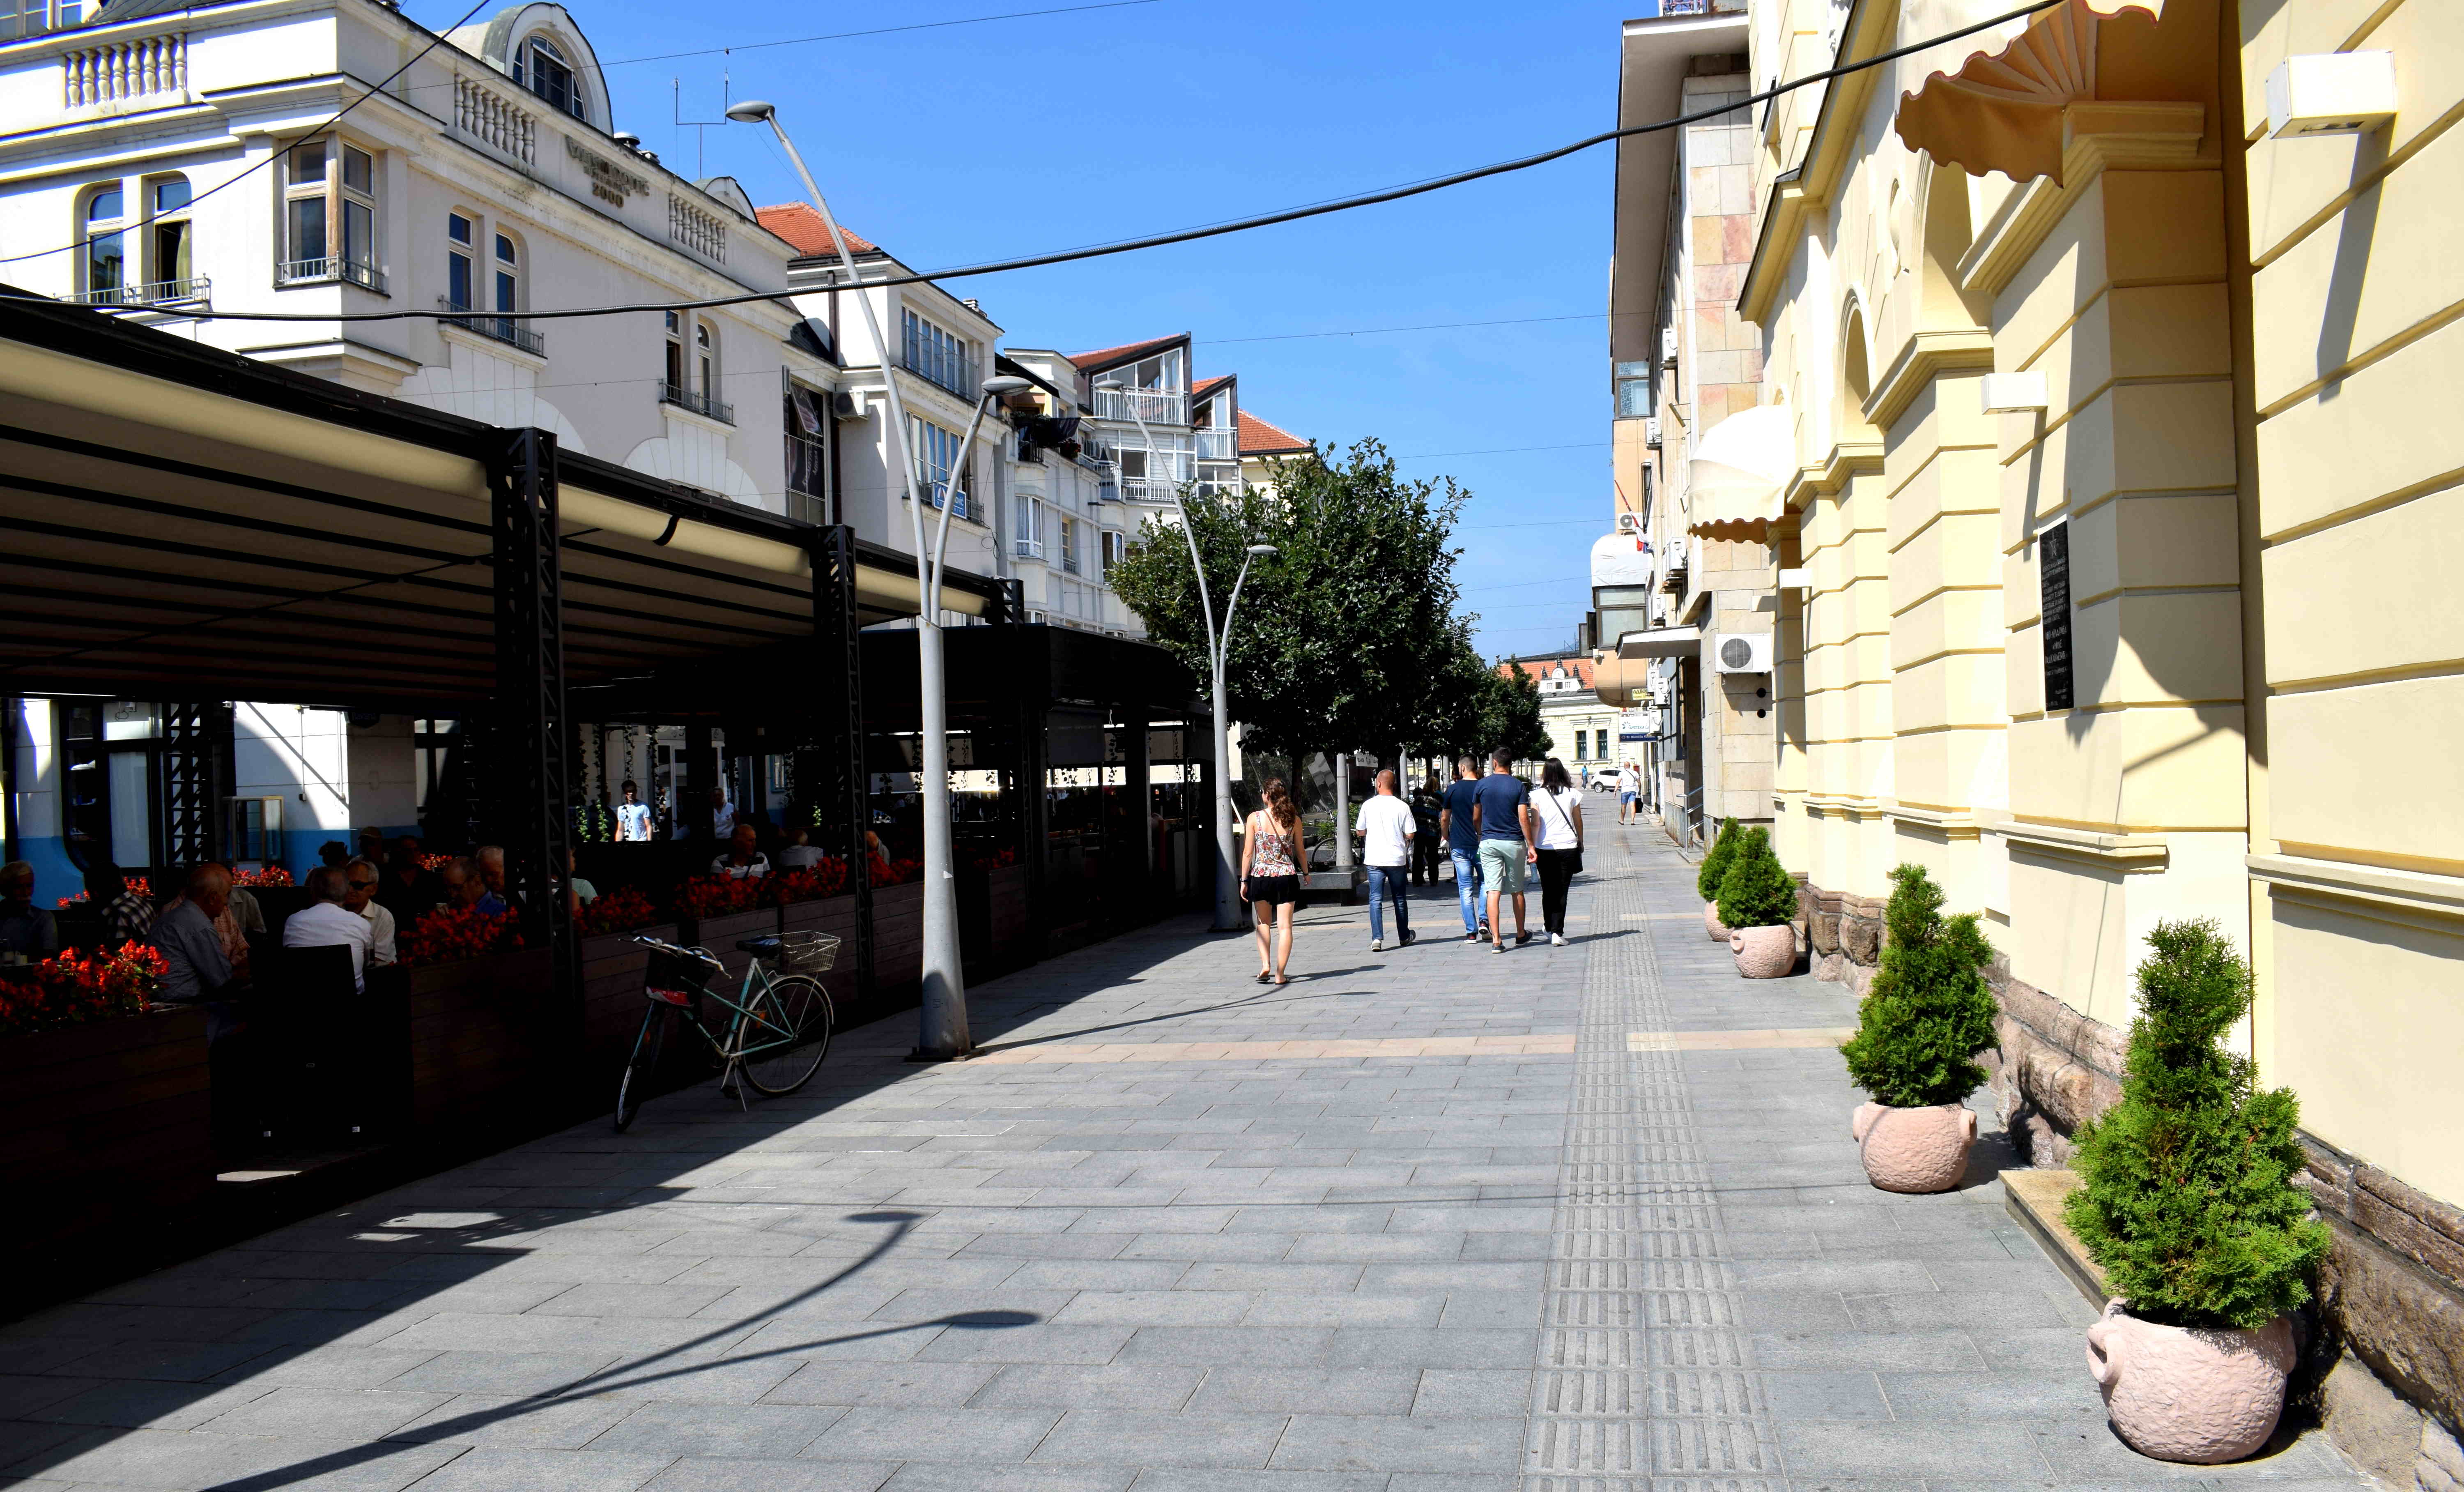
column 1174, row 1234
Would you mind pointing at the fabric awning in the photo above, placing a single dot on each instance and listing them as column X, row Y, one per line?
column 1736, row 478
column 1660, row 642
column 2002, row 110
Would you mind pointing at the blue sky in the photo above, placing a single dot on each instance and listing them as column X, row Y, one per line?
column 979, row 141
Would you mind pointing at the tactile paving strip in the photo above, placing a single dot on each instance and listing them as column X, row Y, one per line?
column 1643, row 1382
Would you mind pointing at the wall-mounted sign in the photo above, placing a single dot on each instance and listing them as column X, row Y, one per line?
column 609, row 182
column 2054, row 586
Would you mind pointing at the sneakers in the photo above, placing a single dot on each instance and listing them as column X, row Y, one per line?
column 1496, row 948
column 1376, row 944
column 1471, row 937
column 1556, row 940
column 1521, row 938
column 1409, row 938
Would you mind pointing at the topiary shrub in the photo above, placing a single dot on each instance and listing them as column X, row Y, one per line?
column 2187, row 1197
column 1756, row 892
column 1928, row 1014
column 1715, row 864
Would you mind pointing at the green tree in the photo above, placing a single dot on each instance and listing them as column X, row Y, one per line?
column 1756, row 890
column 1929, row 1012
column 1509, row 715
column 1716, row 862
column 2187, row 1197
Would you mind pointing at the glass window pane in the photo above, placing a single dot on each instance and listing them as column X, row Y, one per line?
column 359, row 170
column 104, row 207
column 504, row 250
column 459, row 229
column 132, row 824
column 1633, row 398
column 458, row 281
column 171, row 251
column 505, row 292
column 308, row 227
column 308, row 163
column 170, row 196
column 103, row 262
column 358, row 233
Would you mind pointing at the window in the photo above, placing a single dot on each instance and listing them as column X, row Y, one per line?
column 172, row 237
column 1633, row 391
column 328, row 186
column 1070, row 545
column 939, row 356
column 1030, row 528
column 540, row 65
column 705, row 362
column 1116, row 549
column 460, row 232
column 509, row 277
column 675, row 366
column 106, row 256
column 936, row 455
column 807, row 455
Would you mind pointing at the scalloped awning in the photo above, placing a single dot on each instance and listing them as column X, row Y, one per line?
column 2002, row 111
column 1733, row 484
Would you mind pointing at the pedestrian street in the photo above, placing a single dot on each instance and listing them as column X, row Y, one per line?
column 1430, row 1221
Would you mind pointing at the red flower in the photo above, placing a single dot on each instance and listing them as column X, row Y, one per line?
column 270, row 875
column 452, row 933
column 74, row 989
column 824, row 878
column 621, row 910
column 714, row 895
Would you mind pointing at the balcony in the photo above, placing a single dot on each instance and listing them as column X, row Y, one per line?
column 502, row 329
column 303, row 272
column 1149, row 489
column 701, row 404
column 162, row 292
column 941, row 369
column 1219, row 445
column 1155, row 406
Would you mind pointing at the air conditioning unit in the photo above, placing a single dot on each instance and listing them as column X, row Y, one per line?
column 1651, row 431
column 1629, row 524
column 1744, row 653
column 1034, row 618
column 847, row 406
column 1668, row 346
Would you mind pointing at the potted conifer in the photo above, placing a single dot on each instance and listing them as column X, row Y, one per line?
column 2186, row 1200
column 1919, row 1029
column 1758, row 900
column 1706, row 879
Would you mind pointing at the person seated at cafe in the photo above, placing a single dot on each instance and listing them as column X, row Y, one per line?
column 800, row 853
column 366, row 879
column 325, row 921
column 578, row 891
column 26, row 930
column 408, row 888
column 372, row 846
column 125, row 915
column 743, row 859
column 245, row 913
column 196, row 965
column 491, row 861
column 333, row 853
column 465, row 887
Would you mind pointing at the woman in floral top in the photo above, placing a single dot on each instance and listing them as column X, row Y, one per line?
column 1271, row 852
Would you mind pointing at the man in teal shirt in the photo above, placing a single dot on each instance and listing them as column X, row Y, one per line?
column 1502, row 806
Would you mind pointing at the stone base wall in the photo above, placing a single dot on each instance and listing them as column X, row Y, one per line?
column 1843, row 935
column 2392, row 1292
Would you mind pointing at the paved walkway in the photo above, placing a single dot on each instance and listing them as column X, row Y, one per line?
column 1584, row 1219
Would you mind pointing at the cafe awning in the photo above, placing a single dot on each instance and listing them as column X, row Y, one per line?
column 2003, row 109
column 1735, row 480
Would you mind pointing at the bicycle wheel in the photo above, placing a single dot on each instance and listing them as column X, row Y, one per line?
column 635, row 1085
column 794, row 1014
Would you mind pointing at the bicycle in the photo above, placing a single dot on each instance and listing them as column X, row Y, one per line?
column 779, row 1028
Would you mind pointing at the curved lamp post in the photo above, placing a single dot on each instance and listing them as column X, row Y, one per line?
column 942, row 1029
column 1218, row 643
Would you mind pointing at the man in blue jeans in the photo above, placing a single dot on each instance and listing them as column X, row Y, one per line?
column 1386, row 827
column 1460, row 827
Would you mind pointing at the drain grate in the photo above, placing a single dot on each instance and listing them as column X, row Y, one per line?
column 1642, row 1383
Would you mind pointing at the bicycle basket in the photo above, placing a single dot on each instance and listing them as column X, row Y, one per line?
column 678, row 978
column 806, row 952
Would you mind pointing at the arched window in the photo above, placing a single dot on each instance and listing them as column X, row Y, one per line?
column 170, row 243
column 105, row 264
column 540, row 65
column 509, row 275
column 705, row 356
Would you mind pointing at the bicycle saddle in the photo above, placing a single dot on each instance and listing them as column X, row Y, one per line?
column 759, row 947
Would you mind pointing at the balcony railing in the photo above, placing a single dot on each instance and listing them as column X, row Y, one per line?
column 1219, row 445
column 943, row 371
column 1155, row 406
column 297, row 272
column 703, row 404
column 162, row 292
column 1149, row 489
column 503, row 328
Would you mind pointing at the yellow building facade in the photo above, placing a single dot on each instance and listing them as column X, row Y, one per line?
column 2129, row 453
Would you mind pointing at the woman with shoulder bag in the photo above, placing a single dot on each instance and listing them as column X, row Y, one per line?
column 1271, row 856
column 1558, row 812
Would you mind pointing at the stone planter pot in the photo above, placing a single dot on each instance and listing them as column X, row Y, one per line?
column 2195, row 1395
column 1914, row 1150
column 1711, row 922
column 1764, row 952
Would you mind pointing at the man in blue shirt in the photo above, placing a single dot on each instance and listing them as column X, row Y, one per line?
column 1504, row 807
column 1460, row 824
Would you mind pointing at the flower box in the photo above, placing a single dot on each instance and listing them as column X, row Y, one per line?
column 110, row 1127
column 487, row 1038
column 611, row 1004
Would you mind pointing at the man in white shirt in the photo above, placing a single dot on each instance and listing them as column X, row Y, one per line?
column 1386, row 827
column 361, row 899
column 325, row 921
column 632, row 816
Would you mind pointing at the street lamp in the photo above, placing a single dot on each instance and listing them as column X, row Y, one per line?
column 1219, row 642
column 941, row 1030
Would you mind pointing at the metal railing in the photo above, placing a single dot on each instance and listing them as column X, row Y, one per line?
column 295, row 272
column 684, row 398
column 503, row 328
column 160, row 292
column 1155, row 406
column 941, row 370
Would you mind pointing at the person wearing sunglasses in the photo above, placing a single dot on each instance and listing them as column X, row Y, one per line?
column 362, row 898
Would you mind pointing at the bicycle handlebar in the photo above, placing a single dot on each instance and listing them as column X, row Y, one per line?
column 701, row 953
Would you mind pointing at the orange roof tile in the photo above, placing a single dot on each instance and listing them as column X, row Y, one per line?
column 1093, row 361
column 800, row 225
column 1207, row 386
column 1260, row 438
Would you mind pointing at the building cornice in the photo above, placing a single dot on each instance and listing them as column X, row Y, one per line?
column 1923, row 357
column 1808, row 185
column 2124, row 853
column 2416, row 893
column 2097, row 137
